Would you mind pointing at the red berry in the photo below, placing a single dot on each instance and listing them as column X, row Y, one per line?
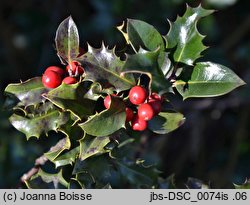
column 129, row 114
column 56, row 69
column 138, row 124
column 69, row 80
column 107, row 101
column 145, row 112
column 154, row 96
column 75, row 68
column 156, row 105
column 51, row 79
column 137, row 95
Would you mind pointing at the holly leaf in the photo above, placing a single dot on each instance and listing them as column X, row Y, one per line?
column 43, row 180
column 166, row 122
column 67, row 40
column 35, row 126
column 67, row 158
column 142, row 34
column 207, row 79
column 64, row 145
column 103, row 66
column 245, row 185
column 96, row 90
column 108, row 121
column 90, row 146
column 94, row 171
column 137, row 175
column 183, row 35
column 26, row 93
column 71, row 98
column 146, row 62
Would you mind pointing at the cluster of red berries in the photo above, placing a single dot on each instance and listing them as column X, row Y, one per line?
column 146, row 107
column 55, row 76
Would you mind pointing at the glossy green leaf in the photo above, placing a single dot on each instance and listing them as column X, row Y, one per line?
column 167, row 183
column 245, row 185
column 43, row 180
column 207, row 79
column 108, row 121
column 90, row 146
column 147, row 62
column 28, row 92
column 96, row 90
column 137, row 175
column 67, row 40
column 166, row 122
column 35, row 126
column 75, row 184
column 142, row 34
column 71, row 98
column 64, row 145
column 94, row 171
column 67, row 158
column 103, row 66
column 86, row 179
column 183, row 35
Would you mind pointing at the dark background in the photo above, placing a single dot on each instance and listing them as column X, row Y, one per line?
column 214, row 143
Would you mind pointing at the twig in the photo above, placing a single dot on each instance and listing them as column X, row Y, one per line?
column 42, row 160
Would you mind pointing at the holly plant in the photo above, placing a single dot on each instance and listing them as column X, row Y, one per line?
column 103, row 102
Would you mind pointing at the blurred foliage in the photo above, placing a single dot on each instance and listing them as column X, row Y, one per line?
column 214, row 143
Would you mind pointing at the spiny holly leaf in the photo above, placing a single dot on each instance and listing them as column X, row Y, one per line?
column 193, row 183
column 103, row 66
column 28, row 92
column 207, row 79
column 43, row 180
column 64, row 145
column 90, row 146
column 67, row 40
column 142, row 34
column 96, row 90
column 72, row 130
column 75, row 184
column 107, row 121
column 94, row 171
column 67, row 158
column 245, row 185
column 35, row 126
column 86, row 180
column 73, row 133
column 167, row 183
column 38, row 109
column 166, row 122
column 146, row 62
column 137, row 175
column 183, row 35
column 71, row 98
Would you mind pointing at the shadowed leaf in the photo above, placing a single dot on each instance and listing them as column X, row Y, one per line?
column 90, row 146
column 141, row 34
column 147, row 62
column 71, row 98
column 166, row 122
